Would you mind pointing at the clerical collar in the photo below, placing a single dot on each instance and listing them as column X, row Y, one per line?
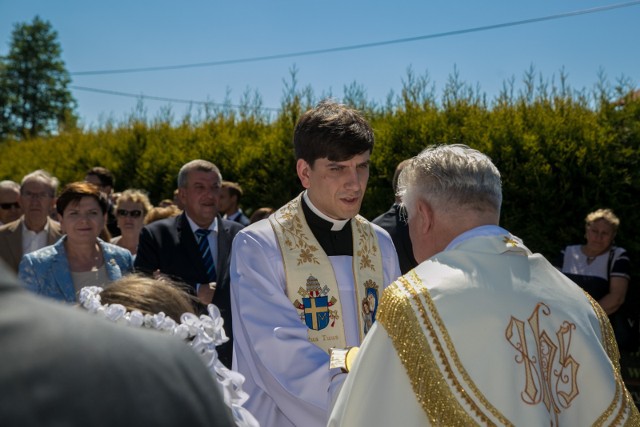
column 333, row 243
column 336, row 224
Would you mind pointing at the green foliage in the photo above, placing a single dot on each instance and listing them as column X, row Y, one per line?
column 562, row 153
column 34, row 98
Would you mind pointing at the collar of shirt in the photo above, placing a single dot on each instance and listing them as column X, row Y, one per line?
column 213, row 226
column 32, row 240
column 234, row 215
column 483, row 230
column 337, row 224
column 212, row 237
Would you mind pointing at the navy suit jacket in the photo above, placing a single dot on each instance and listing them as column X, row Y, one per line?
column 169, row 245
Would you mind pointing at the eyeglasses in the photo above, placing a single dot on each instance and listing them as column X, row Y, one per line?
column 7, row 206
column 42, row 195
column 133, row 214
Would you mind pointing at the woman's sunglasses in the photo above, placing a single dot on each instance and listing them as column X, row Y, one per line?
column 133, row 214
column 7, row 206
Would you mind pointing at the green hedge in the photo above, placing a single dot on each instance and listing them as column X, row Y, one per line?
column 562, row 153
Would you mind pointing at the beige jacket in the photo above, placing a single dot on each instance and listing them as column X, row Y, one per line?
column 11, row 240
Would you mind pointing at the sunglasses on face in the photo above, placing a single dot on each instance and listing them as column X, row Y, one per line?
column 133, row 214
column 7, row 206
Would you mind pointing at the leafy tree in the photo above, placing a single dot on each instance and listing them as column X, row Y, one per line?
column 33, row 80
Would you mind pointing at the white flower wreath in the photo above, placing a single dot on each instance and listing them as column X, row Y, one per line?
column 202, row 333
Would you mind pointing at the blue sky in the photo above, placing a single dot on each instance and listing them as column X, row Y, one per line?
column 132, row 34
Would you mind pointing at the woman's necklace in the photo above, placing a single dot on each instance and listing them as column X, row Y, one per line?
column 590, row 259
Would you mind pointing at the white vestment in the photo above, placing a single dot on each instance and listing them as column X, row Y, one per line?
column 486, row 333
column 287, row 377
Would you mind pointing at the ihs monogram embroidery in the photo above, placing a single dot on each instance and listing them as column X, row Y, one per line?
column 549, row 368
column 315, row 305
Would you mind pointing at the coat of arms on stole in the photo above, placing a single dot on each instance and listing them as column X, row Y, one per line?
column 315, row 306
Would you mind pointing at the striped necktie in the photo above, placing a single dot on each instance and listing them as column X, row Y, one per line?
column 205, row 253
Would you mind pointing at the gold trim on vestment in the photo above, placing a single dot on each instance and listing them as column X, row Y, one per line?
column 626, row 403
column 441, row 384
column 310, row 280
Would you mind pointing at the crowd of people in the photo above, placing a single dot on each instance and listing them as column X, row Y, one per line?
column 308, row 314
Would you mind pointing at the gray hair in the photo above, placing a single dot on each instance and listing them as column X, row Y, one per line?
column 196, row 165
column 9, row 185
column 43, row 176
column 451, row 178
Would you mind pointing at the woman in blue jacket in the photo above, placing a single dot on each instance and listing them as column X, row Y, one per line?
column 79, row 258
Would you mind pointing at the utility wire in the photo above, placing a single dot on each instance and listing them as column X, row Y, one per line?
column 363, row 45
column 160, row 98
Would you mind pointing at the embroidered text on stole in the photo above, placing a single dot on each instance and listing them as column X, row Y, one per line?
column 311, row 282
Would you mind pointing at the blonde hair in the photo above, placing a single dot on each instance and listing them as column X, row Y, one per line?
column 605, row 214
column 135, row 196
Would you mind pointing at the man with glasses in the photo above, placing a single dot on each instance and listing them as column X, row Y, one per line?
column 34, row 229
column 195, row 246
column 10, row 209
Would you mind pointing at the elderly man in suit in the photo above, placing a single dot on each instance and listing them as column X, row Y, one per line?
column 195, row 246
column 482, row 331
column 34, row 229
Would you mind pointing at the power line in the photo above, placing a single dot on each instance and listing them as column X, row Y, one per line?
column 161, row 98
column 360, row 46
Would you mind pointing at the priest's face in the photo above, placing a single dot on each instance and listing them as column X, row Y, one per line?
column 336, row 188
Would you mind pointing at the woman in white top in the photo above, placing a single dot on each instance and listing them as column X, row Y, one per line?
column 602, row 270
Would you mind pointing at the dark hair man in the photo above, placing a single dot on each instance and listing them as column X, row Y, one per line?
column 230, row 195
column 298, row 280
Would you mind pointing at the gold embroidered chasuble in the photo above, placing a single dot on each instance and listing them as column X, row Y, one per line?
column 445, row 389
column 310, row 280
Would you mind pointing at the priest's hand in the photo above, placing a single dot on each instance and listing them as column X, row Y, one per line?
column 206, row 292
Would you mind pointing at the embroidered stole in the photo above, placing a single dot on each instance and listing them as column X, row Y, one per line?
column 311, row 282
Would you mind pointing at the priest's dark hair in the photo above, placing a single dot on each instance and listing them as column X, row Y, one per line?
column 331, row 130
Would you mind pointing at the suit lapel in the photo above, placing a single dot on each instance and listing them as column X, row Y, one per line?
column 225, row 239
column 54, row 231
column 110, row 264
column 15, row 244
column 224, row 243
column 62, row 273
